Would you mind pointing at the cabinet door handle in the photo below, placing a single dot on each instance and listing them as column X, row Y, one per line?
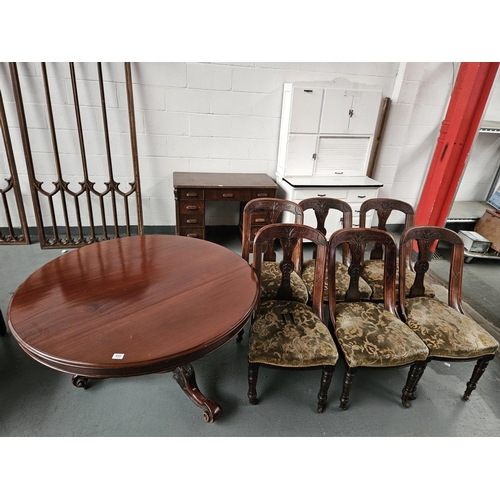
column 339, row 173
column 227, row 195
column 314, row 156
column 308, row 90
column 361, row 195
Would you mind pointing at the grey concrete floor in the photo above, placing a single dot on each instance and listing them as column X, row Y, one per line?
column 38, row 401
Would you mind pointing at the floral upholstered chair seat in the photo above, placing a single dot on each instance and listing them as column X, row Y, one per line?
column 372, row 336
column 271, row 280
column 446, row 332
column 341, row 281
column 373, row 273
column 288, row 334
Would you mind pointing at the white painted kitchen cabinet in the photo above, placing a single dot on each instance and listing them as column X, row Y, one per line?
column 326, row 137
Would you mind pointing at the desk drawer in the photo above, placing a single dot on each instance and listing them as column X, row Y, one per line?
column 228, row 194
column 263, row 193
column 189, row 220
column 191, row 207
column 191, row 194
column 192, row 232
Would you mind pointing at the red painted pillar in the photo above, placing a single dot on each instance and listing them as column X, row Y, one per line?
column 458, row 131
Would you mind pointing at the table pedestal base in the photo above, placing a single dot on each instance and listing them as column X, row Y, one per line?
column 184, row 376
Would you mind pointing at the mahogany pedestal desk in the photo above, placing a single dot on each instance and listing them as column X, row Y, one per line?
column 192, row 190
column 134, row 306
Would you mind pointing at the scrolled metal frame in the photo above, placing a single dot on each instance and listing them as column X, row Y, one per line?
column 66, row 237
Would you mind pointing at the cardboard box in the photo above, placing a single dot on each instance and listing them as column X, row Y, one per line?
column 474, row 242
column 488, row 226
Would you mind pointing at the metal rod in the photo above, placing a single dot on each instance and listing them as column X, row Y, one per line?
column 53, row 219
column 25, row 237
column 105, row 123
column 60, row 182
column 133, row 141
column 86, row 183
column 7, row 213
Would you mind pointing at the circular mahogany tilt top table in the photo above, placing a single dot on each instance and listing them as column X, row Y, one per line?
column 133, row 306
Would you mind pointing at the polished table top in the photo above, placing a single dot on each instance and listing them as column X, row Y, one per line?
column 132, row 306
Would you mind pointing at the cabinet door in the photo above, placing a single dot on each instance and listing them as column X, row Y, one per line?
column 365, row 111
column 300, row 154
column 335, row 116
column 306, row 110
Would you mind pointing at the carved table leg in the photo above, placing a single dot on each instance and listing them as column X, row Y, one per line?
column 80, row 382
column 184, row 376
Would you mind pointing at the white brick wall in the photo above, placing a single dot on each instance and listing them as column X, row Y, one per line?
column 217, row 117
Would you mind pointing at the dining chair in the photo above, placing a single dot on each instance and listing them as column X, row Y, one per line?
column 369, row 334
column 322, row 208
column 449, row 334
column 285, row 332
column 269, row 211
column 373, row 267
column 3, row 326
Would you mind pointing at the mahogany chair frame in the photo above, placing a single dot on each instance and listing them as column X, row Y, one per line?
column 322, row 207
column 267, row 211
column 384, row 207
column 290, row 237
column 426, row 238
column 357, row 239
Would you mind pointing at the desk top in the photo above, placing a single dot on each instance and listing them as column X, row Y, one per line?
column 216, row 180
column 131, row 306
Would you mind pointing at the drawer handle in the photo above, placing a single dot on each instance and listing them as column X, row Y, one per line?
column 356, row 211
column 261, row 195
column 227, row 195
column 191, row 195
column 191, row 207
column 361, row 195
column 260, row 221
column 339, row 173
column 192, row 235
column 192, row 221
column 308, row 90
column 321, row 195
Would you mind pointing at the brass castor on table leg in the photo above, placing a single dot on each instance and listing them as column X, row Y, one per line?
column 80, row 382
